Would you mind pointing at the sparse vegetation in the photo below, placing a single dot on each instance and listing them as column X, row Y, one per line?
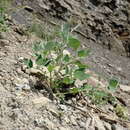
column 60, row 62
column 121, row 111
column 60, row 67
column 56, row 69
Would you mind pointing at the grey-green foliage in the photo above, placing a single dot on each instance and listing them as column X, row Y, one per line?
column 60, row 61
column 99, row 97
column 57, row 63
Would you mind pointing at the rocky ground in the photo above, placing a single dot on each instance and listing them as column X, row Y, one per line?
column 104, row 28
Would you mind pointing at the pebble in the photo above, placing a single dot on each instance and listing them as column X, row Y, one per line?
column 25, row 87
column 63, row 107
column 125, row 88
column 72, row 119
column 42, row 101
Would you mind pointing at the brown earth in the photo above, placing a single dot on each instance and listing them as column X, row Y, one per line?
column 104, row 28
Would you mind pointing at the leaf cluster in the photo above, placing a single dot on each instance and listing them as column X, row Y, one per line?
column 60, row 60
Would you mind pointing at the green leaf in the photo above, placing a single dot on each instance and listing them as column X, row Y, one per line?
column 67, row 80
column 86, row 87
column 51, row 67
column 100, row 94
column 73, row 43
column 66, row 28
column 50, row 46
column 80, row 64
column 74, row 90
column 65, row 31
column 41, row 61
column 113, row 84
column 28, row 62
column 38, row 46
column 66, row 58
column 80, row 74
column 66, row 69
column 83, row 53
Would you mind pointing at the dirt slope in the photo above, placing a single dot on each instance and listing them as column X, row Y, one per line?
column 104, row 27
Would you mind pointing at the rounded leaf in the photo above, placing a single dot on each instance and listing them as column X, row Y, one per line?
column 73, row 43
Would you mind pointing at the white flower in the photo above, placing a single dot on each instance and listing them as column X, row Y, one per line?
column 66, row 52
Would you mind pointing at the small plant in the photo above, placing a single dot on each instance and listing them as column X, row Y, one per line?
column 60, row 61
column 121, row 111
column 99, row 97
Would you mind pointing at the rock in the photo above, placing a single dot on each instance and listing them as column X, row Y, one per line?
column 90, row 124
column 53, row 109
column 46, row 124
column 3, row 43
column 25, row 87
column 63, row 107
column 125, row 88
column 21, row 81
column 73, row 121
column 22, row 84
column 81, row 124
column 99, row 124
column 118, row 127
column 64, row 128
column 21, row 59
column 2, row 35
column 94, row 123
column 66, row 119
column 95, row 82
column 107, row 126
column 42, row 101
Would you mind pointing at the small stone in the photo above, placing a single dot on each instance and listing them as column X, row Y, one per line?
column 107, row 126
column 125, row 88
column 66, row 119
column 42, row 101
column 3, row 35
column 119, row 69
column 72, row 118
column 20, row 58
column 63, row 107
column 94, row 82
column 63, row 128
column 26, row 87
column 19, row 70
column 81, row 124
column 19, row 86
column 53, row 109
column 44, row 123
